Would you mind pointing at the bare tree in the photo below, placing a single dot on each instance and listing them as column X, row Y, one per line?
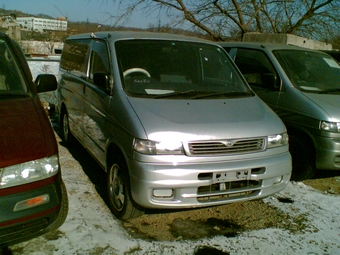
column 222, row 19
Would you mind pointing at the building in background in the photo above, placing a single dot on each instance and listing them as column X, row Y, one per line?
column 41, row 25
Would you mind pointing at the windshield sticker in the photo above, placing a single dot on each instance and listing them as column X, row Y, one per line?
column 332, row 63
column 310, row 88
column 158, row 91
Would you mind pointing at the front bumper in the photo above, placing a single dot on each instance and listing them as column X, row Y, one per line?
column 208, row 184
column 16, row 227
column 327, row 153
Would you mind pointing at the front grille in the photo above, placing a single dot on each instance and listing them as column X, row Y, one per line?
column 337, row 161
column 231, row 190
column 226, row 147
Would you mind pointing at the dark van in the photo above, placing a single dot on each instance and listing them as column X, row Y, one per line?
column 33, row 198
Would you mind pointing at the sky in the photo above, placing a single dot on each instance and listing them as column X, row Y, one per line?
column 94, row 11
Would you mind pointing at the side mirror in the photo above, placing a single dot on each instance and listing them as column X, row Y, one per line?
column 45, row 83
column 270, row 81
column 101, row 79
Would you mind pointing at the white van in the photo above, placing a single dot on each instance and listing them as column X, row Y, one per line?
column 171, row 120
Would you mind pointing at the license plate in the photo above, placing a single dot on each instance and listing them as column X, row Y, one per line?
column 231, row 176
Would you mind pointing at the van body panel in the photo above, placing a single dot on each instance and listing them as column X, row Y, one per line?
column 166, row 92
column 20, row 116
column 206, row 119
column 330, row 104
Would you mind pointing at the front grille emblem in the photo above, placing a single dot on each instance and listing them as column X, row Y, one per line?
column 228, row 143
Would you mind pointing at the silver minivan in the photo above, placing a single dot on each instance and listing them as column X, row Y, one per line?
column 303, row 87
column 171, row 120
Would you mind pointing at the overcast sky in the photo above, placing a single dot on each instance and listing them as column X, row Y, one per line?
column 95, row 11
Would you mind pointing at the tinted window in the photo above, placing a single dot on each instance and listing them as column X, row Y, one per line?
column 74, row 56
column 99, row 58
column 310, row 71
column 256, row 68
column 11, row 79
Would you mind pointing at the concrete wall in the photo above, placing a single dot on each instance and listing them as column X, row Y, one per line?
column 287, row 39
column 38, row 47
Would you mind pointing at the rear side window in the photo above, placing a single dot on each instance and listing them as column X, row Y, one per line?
column 74, row 56
column 12, row 81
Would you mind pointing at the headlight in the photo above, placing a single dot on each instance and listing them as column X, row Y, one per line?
column 277, row 140
column 29, row 172
column 158, row 148
column 330, row 126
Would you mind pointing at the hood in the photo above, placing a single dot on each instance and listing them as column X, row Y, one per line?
column 21, row 137
column 206, row 119
column 329, row 103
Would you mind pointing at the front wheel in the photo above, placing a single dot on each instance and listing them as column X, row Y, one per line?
column 63, row 208
column 65, row 127
column 303, row 159
column 119, row 194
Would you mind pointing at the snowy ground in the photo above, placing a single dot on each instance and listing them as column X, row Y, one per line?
column 91, row 229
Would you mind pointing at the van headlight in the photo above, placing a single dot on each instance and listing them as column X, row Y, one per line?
column 158, row 148
column 277, row 140
column 330, row 126
column 27, row 172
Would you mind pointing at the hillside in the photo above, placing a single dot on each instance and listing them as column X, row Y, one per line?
column 81, row 27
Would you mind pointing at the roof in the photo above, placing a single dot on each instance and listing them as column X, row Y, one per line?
column 262, row 45
column 120, row 35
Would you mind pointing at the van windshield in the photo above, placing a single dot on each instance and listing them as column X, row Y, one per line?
column 310, row 71
column 12, row 82
column 176, row 69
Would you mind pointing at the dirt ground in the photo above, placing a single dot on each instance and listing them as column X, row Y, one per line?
column 227, row 220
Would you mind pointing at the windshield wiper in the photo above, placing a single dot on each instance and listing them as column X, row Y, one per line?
column 330, row 91
column 224, row 94
column 197, row 94
column 179, row 93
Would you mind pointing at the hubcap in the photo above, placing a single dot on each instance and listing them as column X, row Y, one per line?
column 116, row 187
column 65, row 127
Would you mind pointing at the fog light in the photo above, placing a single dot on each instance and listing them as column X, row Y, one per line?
column 32, row 202
column 163, row 193
column 278, row 179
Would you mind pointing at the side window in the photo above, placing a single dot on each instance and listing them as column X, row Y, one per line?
column 75, row 56
column 99, row 62
column 257, row 69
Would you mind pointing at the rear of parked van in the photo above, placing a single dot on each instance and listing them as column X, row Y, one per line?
column 33, row 197
column 171, row 121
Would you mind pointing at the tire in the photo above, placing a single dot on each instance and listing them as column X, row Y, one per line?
column 302, row 159
column 67, row 136
column 63, row 209
column 119, row 193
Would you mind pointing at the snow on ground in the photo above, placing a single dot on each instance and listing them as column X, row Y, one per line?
column 90, row 227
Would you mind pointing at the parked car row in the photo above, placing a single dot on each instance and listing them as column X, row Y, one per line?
column 171, row 120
